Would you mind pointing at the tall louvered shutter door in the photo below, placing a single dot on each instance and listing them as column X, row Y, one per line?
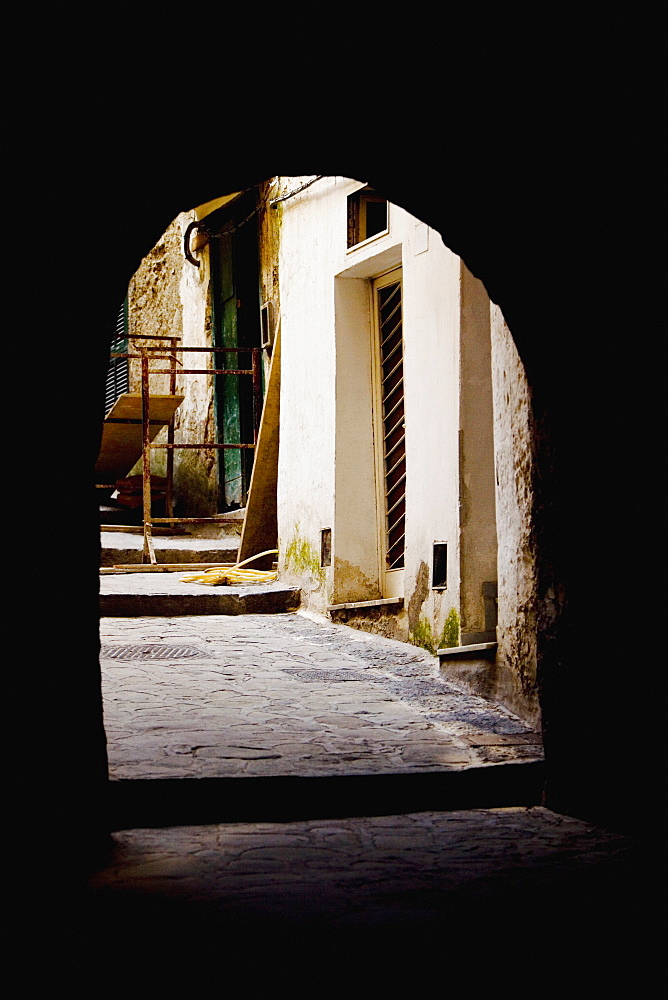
column 118, row 375
column 394, row 432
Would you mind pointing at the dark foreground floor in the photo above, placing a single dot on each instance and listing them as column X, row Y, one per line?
column 513, row 899
column 315, row 883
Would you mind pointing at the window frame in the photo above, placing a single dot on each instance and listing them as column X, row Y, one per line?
column 358, row 200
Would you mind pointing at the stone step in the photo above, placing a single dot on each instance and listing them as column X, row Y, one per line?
column 120, row 547
column 470, row 666
column 165, row 594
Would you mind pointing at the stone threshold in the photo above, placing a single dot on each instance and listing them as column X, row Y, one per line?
column 366, row 604
column 477, row 651
column 158, row 567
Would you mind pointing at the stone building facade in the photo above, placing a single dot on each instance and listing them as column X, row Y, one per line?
column 405, row 465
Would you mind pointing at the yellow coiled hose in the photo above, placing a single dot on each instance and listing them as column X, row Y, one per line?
column 223, row 576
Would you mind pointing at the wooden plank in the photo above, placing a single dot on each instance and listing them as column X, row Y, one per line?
column 260, row 528
column 121, row 444
column 138, row 529
column 148, row 553
column 128, row 407
column 162, row 567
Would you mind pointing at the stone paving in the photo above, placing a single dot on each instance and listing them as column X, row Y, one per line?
column 483, row 896
column 359, row 860
column 359, row 902
column 288, row 695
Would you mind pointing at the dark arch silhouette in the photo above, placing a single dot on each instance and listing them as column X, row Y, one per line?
column 543, row 189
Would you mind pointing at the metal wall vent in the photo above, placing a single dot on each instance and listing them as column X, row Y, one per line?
column 152, row 651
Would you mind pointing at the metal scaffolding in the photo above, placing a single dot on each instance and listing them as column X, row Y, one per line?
column 146, row 355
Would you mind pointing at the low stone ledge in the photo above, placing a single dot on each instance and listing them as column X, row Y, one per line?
column 272, row 599
column 476, row 651
column 473, row 667
column 351, row 605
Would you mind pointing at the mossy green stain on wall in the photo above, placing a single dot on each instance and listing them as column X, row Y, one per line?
column 451, row 630
column 423, row 636
column 419, row 596
column 420, row 631
column 303, row 559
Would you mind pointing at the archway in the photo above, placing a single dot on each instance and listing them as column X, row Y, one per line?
column 544, row 382
column 569, row 298
column 428, row 266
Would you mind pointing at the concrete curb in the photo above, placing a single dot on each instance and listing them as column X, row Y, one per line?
column 211, row 601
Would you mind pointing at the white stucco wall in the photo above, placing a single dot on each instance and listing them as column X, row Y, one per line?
column 356, row 563
column 431, row 368
column 306, row 457
column 477, row 510
column 326, row 467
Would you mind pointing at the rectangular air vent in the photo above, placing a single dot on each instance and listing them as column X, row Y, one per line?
column 268, row 323
column 439, row 574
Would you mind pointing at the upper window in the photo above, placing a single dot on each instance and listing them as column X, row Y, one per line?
column 367, row 216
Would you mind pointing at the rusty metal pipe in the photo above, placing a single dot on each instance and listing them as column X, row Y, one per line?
column 203, row 350
column 204, row 371
column 206, row 444
column 148, row 553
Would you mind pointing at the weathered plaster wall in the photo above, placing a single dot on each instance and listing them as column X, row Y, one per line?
column 154, row 308
column 356, row 564
column 476, row 464
column 515, row 672
column 167, row 296
column 195, row 471
column 269, row 234
column 327, row 472
column 431, row 371
column 307, row 444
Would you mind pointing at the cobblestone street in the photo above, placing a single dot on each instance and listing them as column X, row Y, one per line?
column 252, row 695
column 348, row 881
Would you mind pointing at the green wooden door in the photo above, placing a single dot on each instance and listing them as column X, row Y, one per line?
column 227, row 386
column 236, row 323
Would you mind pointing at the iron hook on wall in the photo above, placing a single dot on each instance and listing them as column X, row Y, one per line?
column 199, row 227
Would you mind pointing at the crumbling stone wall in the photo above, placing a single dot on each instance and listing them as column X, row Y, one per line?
column 515, row 672
column 196, row 471
column 154, row 309
column 269, row 245
column 167, row 296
